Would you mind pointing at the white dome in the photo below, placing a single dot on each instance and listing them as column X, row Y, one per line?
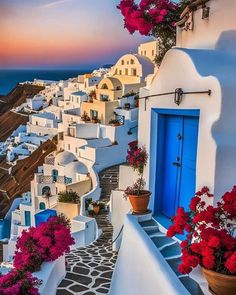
column 64, row 158
column 75, row 167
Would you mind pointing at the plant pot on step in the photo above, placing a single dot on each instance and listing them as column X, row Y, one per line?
column 96, row 210
column 220, row 284
column 140, row 203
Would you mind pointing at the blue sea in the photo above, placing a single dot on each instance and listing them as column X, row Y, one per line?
column 9, row 78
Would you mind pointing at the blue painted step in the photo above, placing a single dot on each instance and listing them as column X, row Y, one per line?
column 162, row 241
column 192, row 286
column 171, row 251
column 170, row 248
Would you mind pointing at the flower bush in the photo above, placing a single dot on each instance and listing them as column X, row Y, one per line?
column 18, row 282
column 211, row 240
column 47, row 242
column 137, row 158
column 153, row 17
column 69, row 197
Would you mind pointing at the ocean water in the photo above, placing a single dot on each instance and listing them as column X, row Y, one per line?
column 9, row 78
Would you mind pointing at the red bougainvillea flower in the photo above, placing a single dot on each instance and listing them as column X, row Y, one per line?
column 211, row 238
column 231, row 263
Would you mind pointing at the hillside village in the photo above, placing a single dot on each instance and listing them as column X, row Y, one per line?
column 91, row 118
column 132, row 188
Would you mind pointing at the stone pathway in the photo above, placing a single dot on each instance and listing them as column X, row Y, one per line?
column 89, row 269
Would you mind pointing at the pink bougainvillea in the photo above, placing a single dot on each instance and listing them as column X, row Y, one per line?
column 47, row 242
column 18, row 282
column 148, row 14
column 153, row 17
column 210, row 231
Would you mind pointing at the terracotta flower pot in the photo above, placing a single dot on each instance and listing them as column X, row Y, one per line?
column 140, row 203
column 220, row 284
column 116, row 124
column 96, row 210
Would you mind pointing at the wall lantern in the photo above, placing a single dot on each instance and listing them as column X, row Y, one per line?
column 205, row 12
column 178, row 96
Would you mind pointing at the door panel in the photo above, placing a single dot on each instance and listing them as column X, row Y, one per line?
column 188, row 165
column 171, row 142
column 177, row 171
column 27, row 218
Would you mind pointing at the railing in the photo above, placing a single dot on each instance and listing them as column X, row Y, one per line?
column 52, row 179
column 50, row 160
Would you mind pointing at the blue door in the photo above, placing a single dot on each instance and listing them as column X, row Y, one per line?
column 177, row 153
column 27, row 218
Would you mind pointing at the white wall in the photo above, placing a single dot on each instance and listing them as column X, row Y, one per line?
column 218, row 31
column 87, row 131
column 51, row 274
column 216, row 140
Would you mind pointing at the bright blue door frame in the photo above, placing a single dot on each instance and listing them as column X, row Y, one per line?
column 173, row 154
column 27, row 218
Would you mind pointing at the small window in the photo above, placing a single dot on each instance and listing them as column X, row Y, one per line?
column 126, row 72
column 122, row 62
column 104, row 86
column 132, row 62
column 120, row 72
column 42, row 206
column 68, row 147
column 46, row 189
column 145, row 53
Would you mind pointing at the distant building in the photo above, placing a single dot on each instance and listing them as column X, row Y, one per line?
column 126, row 77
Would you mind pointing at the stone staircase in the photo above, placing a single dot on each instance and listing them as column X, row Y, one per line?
column 171, row 251
column 89, row 269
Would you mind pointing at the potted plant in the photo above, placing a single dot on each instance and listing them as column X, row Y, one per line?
column 114, row 122
column 96, row 207
column 211, row 241
column 95, row 120
column 85, row 117
column 139, row 197
column 47, row 196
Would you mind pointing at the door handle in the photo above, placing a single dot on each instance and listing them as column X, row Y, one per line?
column 176, row 164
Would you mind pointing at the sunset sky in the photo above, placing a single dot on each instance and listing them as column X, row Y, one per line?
column 62, row 33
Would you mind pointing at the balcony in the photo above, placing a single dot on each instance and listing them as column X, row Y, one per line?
column 40, row 178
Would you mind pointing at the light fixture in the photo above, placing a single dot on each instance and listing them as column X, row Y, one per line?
column 178, row 96
column 205, row 12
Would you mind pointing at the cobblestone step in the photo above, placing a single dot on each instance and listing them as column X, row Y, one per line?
column 89, row 269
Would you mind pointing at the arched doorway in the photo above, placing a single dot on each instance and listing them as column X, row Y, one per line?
column 45, row 189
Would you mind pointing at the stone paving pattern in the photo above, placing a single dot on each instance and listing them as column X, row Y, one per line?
column 89, row 269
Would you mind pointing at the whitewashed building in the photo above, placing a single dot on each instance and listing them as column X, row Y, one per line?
column 43, row 124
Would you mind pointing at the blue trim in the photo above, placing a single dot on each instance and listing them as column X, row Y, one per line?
column 156, row 148
column 177, row 112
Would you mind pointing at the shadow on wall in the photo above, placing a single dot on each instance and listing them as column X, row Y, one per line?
column 227, row 42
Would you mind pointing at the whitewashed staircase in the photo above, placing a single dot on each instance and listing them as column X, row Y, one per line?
column 171, row 251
